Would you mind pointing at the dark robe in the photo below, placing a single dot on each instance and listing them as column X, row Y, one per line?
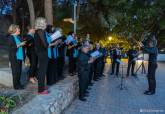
column 31, row 55
column 83, row 72
column 16, row 65
column 41, row 51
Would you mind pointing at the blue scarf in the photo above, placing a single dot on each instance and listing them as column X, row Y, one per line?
column 48, row 38
column 19, row 53
column 75, row 53
column 55, row 50
column 31, row 35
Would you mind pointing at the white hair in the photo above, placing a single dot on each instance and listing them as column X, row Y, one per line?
column 40, row 23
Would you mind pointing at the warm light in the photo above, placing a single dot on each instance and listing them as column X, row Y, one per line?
column 110, row 38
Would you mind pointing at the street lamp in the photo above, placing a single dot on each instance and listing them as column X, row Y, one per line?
column 110, row 38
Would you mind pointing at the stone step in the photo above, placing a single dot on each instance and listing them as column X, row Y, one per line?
column 6, row 77
column 60, row 97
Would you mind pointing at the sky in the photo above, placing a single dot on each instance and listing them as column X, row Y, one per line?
column 6, row 9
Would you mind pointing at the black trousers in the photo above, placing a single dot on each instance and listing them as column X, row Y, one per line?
column 42, row 69
column 91, row 71
column 71, row 64
column 131, row 64
column 83, row 81
column 151, row 76
column 74, row 64
column 16, row 66
column 97, row 69
column 102, row 67
column 60, row 66
column 116, row 65
column 51, row 72
column 33, row 64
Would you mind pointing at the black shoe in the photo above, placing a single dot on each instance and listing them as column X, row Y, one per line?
column 95, row 79
column 90, row 84
column 111, row 74
column 82, row 99
column 150, row 93
column 71, row 74
column 20, row 88
column 86, row 92
column 147, row 91
column 89, row 88
column 134, row 75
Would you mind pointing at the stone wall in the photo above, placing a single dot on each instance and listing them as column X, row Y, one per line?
column 60, row 97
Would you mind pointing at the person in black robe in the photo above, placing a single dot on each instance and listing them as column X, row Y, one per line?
column 152, row 50
column 16, row 55
column 91, row 72
column 52, row 65
column 31, row 55
column 132, row 54
column 70, row 52
column 83, row 71
column 41, row 46
column 116, row 56
column 103, row 60
column 98, row 64
column 61, row 58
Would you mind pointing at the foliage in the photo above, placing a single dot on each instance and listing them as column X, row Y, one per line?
column 101, row 18
column 132, row 18
column 6, row 104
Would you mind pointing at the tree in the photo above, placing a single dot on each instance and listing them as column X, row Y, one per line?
column 32, row 12
column 49, row 11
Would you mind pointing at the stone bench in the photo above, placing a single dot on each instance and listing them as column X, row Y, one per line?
column 60, row 97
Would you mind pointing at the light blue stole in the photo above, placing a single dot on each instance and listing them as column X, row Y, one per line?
column 19, row 53
column 55, row 50
column 48, row 38
column 75, row 53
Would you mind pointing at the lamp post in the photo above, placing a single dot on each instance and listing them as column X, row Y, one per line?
column 75, row 15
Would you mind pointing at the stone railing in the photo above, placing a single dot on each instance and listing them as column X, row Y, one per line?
column 60, row 97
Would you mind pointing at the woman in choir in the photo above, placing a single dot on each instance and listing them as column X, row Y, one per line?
column 31, row 55
column 16, row 55
column 41, row 47
column 52, row 65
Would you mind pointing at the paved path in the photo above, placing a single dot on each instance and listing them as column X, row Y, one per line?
column 106, row 98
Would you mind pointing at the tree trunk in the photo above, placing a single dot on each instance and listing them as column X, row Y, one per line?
column 49, row 11
column 32, row 12
column 14, row 14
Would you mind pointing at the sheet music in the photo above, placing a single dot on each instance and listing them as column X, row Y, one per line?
column 95, row 54
column 56, row 35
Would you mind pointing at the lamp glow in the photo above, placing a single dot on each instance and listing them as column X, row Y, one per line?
column 110, row 38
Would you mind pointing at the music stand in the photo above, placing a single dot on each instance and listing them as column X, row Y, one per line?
column 122, row 86
column 141, row 66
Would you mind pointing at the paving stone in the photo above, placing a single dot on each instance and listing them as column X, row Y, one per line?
column 106, row 98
